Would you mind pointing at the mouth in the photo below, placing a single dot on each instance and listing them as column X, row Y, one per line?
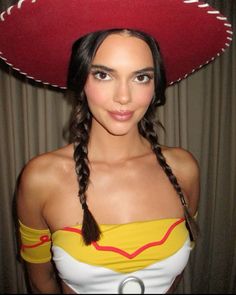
column 121, row 115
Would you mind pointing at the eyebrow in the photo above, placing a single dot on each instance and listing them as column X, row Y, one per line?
column 110, row 70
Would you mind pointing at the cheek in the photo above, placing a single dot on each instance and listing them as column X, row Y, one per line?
column 96, row 95
column 144, row 96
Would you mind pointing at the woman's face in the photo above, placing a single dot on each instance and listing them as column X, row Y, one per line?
column 120, row 85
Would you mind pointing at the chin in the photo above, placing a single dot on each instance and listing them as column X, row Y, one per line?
column 118, row 128
column 117, row 132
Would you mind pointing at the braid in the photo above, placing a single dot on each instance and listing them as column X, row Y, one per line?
column 81, row 125
column 147, row 129
column 83, row 52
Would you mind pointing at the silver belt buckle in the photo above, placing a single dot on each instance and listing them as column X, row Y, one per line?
column 131, row 285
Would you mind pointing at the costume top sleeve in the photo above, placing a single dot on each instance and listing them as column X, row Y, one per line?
column 35, row 244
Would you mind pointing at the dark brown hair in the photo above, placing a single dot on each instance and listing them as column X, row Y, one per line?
column 83, row 52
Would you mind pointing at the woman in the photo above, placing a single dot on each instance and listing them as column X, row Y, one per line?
column 118, row 80
column 113, row 212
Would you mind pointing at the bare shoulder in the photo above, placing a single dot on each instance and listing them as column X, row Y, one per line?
column 186, row 169
column 43, row 168
column 36, row 182
column 181, row 160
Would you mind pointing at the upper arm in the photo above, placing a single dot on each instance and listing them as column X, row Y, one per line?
column 186, row 169
column 189, row 176
column 42, row 278
column 31, row 198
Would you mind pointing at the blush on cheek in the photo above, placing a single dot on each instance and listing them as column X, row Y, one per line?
column 96, row 92
column 92, row 93
column 145, row 99
column 143, row 94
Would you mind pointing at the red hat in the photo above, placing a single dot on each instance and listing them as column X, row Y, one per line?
column 36, row 35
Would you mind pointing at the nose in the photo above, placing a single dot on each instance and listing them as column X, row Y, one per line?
column 122, row 93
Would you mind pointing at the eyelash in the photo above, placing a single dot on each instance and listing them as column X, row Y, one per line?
column 148, row 76
column 97, row 73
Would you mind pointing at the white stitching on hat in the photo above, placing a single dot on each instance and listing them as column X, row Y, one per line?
column 9, row 64
column 221, row 18
column 2, row 18
column 203, row 5
column 20, row 3
column 40, row 81
column 29, row 77
column 9, row 9
column 190, row 1
column 213, row 12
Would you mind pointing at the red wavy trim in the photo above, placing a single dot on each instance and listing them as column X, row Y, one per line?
column 43, row 239
column 124, row 253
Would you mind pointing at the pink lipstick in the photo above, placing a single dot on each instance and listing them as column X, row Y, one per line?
column 121, row 115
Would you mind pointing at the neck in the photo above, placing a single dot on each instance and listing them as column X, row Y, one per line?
column 106, row 147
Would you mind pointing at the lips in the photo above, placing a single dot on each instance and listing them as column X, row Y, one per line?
column 121, row 115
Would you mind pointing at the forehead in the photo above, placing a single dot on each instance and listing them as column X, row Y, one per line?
column 121, row 49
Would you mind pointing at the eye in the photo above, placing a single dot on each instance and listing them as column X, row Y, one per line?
column 100, row 75
column 143, row 78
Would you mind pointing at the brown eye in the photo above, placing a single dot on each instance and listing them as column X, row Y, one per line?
column 101, row 75
column 143, row 78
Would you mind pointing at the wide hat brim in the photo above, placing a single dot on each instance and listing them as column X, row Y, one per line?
column 36, row 36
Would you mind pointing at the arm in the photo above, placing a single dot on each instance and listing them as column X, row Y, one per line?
column 186, row 169
column 189, row 178
column 42, row 278
column 31, row 198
